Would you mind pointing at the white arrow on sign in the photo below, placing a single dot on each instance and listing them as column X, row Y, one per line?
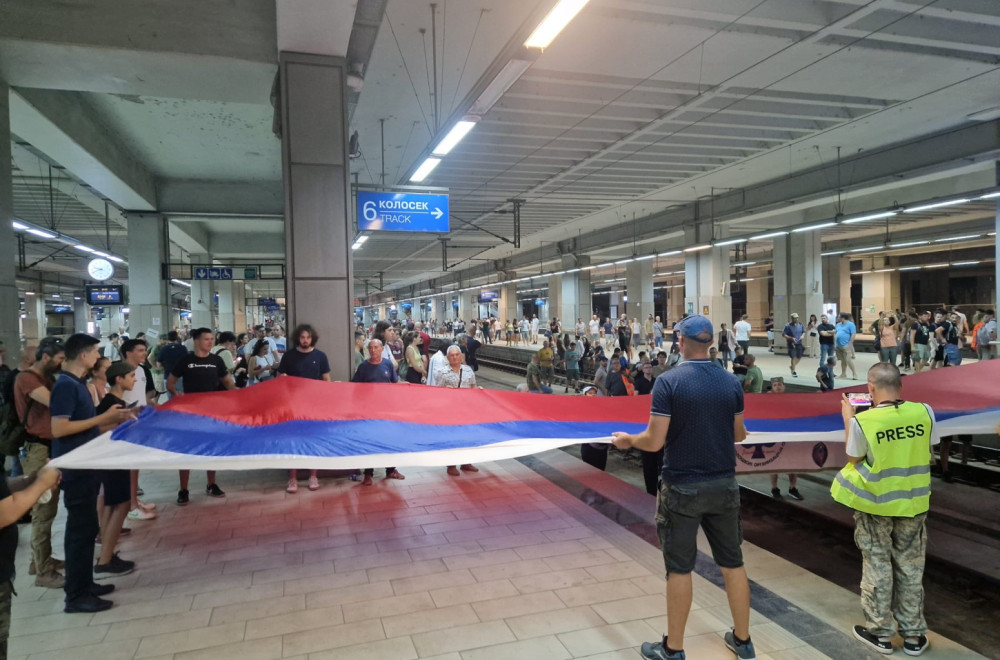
column 202, row 273
column 437, row 213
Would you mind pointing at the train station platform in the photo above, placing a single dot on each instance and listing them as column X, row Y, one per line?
column 540, row 557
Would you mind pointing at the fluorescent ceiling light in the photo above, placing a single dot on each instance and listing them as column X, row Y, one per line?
column 181, row 282
column 937, row 266
column 833, row 254
column 18, row 225
column 744, row 264
column 83, row 248
column 731, row 241
column 648, row 256
column 773, row 234
column 624, row 261
column 360, row 240
column 604, row 265
column 102, row 254
column 821, row 225
column 748, row 279
column 964, row 263
column 669, row 253
column 454, row 136
column 588, row 268
column 554, row 22
column 884, row 270
column 508, row 76
column 910, row 244
column 936, row 205
column 910, row 268
column 425, row 169
column 872, row 216
column 696, row 248
column 957, row 238
column 29, row 293
column 39, row 232
column 116, row 259
column 866, row 249
column 986, row 196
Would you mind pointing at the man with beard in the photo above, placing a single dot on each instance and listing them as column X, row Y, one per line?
column 304, row 361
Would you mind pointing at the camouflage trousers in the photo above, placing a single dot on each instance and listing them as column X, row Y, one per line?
column 892, row 590
column 6, row 591
column 42, row 515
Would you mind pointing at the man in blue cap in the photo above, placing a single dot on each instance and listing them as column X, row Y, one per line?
column 696, row 416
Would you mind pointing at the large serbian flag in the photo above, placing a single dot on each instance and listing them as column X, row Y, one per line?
column 296, row 423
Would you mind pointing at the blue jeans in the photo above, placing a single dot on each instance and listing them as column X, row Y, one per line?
column 825, row 351
column 545, row 390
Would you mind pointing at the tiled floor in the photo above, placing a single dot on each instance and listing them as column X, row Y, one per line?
column 499, row 564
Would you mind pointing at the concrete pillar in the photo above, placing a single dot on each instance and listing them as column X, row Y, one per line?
column 706, row 285
column 614, row 305
column 33, row 325
column 798, row 280
column 149, row 292
column 508, row 303
column 202, row 293
column 318, row 231
column 879, row 292
column 554, row 306
column 639, row 288
column 675, row 305
column 9, row 305
column 81, row 312
column 758, row 301
column 227, row 304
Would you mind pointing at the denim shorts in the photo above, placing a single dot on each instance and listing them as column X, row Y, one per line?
column 711, row 505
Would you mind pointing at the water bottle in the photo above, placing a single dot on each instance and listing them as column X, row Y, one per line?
column 23, row 453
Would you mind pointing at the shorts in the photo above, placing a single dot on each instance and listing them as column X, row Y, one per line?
column 953, row 355
column 843, row 354
column 572, row 374
column 548, row 372
column 921, row 353
column 711, row 505
column 117, row 486
column 939, row 354
column 795, row 351
column 770, row 335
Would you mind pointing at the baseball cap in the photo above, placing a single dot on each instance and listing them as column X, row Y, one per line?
column 117, row 370
column 698, row 328
column 795, row 315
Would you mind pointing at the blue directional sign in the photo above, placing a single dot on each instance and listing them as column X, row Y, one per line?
column 388, row 211
column 213, row 273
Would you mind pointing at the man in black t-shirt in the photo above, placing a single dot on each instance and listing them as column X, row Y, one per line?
column 827, row 333
column 919, row 337
column 202, row 371
column 304, row 361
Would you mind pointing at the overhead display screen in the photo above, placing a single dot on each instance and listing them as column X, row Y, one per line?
column 105, row 294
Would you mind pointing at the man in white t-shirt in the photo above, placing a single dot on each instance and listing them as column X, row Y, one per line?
column 261, row 334
column 595, row 329
column 534, row 329
column 143, row 393
column 278, row 336
column 742, row 330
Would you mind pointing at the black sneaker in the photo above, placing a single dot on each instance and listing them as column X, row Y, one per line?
column 182, row 497
column 101, row 589
column 776, row 493
column 743, row 649
column 117, row 567
column 87, row 605
column 795, row 494
column 917, row 647
column 862, row 635
column 213, row 490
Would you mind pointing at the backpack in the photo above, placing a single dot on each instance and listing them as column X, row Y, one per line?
column 13, row 434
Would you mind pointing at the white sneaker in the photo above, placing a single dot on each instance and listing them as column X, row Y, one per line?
column 139, row 513
column 147, row 506
column 313, row 483
column 293, row 486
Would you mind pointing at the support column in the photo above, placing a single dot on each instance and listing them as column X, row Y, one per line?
column 33, row 325
column 798, row 280
column 149, row 297
column 554, row 306
column 9, row 305
column 202, row 292
column 758, row 301
column 318, row 232
column 675, row 306
column 706, row 285
column 81, row 312
column 227, row 306
column 639, row 288
column 507, row 308
column 844, row 274
column 575, row 294
column 879, row 292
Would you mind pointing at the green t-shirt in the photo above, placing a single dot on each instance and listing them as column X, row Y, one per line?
column 755, row 380
column 534, row 376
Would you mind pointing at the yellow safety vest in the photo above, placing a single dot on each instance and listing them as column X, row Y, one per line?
column 898, row 483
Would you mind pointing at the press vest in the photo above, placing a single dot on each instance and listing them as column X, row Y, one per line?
column 898, row 483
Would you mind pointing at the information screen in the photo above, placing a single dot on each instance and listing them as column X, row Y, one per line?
column 106, row 294
column 489, row 295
